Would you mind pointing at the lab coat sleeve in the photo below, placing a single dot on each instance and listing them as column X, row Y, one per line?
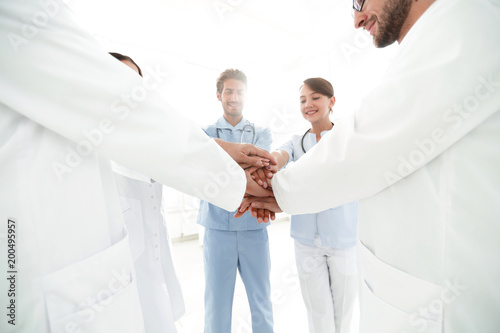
column 58, row 76
column 440, row 86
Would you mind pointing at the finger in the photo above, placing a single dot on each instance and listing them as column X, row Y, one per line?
column 260, row 215
column 252, row 160
column 261, row 174
column 251, row 150
column 266, row 215
column 251, row 169
column 270, row 171
column 273, row 216
column 245, row 204
column 253, row 212
column 267, row 203
column 253, row 188
column 256, row 162
column 255, row 176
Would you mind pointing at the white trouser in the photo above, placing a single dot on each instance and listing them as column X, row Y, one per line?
column 328, row 281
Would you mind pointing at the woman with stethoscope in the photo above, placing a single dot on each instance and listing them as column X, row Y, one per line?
column 324, row 242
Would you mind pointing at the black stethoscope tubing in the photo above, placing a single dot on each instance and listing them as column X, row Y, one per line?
column 302, row 140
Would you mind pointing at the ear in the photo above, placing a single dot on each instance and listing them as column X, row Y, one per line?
column 218, row 96
column 332, row 102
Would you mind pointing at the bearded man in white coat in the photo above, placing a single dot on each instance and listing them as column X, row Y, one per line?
column 422, row 154
column 66, row 109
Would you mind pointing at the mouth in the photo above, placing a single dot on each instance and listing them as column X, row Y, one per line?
column 369, row 27
column 311, row 112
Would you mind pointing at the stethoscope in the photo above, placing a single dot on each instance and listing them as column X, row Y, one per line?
column 302, row 140
column 247, row 125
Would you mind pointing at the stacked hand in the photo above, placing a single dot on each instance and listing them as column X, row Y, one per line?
column 247, row 155
column 264, row 208
column 259, row 166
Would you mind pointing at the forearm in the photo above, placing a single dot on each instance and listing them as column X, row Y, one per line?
column 281, row 157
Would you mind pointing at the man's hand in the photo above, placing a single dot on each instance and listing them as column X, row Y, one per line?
column 247, row 155
column 262, row 215
column 262, row 208
column 255, row 189
column 262, row 176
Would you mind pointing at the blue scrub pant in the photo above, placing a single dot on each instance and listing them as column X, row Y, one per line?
column 224, row 253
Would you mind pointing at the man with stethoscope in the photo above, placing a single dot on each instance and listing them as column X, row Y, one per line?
column 232, row 244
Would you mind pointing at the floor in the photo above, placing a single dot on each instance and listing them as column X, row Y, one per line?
column 288, row 308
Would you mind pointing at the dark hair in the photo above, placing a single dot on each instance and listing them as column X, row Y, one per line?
column 230, row 74
column 319, row 85
column 122, row 57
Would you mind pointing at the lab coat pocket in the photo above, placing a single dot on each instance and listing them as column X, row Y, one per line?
column 98, row 294
column 393, row 301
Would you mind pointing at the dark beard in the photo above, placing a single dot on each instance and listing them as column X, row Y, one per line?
column 391, row 21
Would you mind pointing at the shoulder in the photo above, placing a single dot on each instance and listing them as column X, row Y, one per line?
column 291, row 144
column 210, row 130
column 261, row 130
column 296, row 138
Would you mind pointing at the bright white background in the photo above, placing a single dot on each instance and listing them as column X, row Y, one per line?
column 277, row 43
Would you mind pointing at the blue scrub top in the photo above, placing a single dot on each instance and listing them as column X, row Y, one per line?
column 336, row 227
column 211, row 216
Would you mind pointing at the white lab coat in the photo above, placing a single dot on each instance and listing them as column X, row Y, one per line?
column 159, row 289
column 423, row 155
column 59, row 88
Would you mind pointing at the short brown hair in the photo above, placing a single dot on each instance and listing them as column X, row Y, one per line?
column 230, row 74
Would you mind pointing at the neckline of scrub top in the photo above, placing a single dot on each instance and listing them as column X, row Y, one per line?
column 222, row 123
column 308, row 134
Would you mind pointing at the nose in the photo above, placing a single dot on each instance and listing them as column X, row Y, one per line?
column 359, row 19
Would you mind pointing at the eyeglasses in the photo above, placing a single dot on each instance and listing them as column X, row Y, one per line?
column 358, row 4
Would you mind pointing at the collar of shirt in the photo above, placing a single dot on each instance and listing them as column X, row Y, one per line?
column 310, row 139
column 223, row 124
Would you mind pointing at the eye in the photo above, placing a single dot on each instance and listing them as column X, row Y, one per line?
column 315, row 98
column 302, row 101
